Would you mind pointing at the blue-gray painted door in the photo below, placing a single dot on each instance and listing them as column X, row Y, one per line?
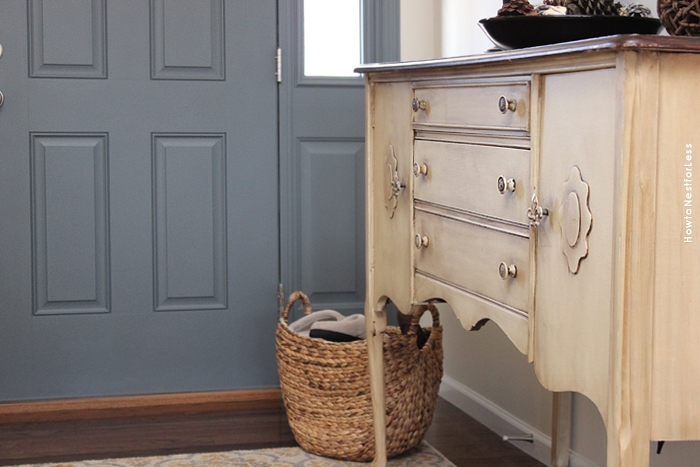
column 322, row 128
column 139, row 242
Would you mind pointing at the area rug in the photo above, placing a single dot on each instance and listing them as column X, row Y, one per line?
column 424, row 456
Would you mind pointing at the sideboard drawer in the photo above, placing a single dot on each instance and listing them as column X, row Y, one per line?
column 484, row 180
column 485, row 106
column 469, row 256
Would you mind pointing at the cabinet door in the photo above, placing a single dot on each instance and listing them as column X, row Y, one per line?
column 575, row 241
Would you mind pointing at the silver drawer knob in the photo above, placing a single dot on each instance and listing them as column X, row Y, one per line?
column 421, row 241
column 420, row 169
column 506, row 185
column 507, row 271
column 418, row 104
column 505, row 104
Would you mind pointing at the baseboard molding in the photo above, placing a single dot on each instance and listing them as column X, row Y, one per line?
column 504, row 423
column 139, row 406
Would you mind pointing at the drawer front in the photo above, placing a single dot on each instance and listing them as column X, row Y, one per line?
column 469, row 256
column 477, row 106
column 466, row 177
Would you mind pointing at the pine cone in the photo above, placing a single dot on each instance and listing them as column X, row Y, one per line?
column 556, row 2
column 550, row 10
column 592, row 7
column 517, row 8
column 635, row 9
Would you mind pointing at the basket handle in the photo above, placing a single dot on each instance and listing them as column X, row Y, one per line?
column 417, row 312
column 293, row 297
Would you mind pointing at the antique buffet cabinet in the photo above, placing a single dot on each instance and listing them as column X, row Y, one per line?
column 553, row 191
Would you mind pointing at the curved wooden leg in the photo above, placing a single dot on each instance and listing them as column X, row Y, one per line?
column 376, row 325
column 631, row 450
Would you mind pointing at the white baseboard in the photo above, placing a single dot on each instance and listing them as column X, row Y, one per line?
column 504, row 423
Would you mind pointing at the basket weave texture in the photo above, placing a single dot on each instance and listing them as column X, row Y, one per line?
column 680, row 17
column 325, row 387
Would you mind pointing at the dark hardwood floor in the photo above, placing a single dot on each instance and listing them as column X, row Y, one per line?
column 468, row 443
column 459, row 437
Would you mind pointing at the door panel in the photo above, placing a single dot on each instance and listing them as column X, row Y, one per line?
column 67, row 40
column 189, row 207
column 140, row 197
column 70, row 213
column 187, row 40
column 332, row 181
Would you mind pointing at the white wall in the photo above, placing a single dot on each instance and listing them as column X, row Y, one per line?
column 444, row 28
column 484, row 374
column 420, row 29
column 461, row 33
column 449, row 28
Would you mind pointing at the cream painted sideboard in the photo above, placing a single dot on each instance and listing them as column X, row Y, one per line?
column 556, row 192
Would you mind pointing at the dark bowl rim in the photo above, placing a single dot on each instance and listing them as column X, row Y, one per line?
column 507, row 32
column 568, row 17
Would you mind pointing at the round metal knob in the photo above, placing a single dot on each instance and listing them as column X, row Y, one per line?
column 0, row 50
column 420, row 169
column 418, row 104
column 2, row 98
column 505, row 104
column 506, row 185
column 421, row 241
column 507, row 271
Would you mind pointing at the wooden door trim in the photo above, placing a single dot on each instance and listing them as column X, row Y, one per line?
column 139, row 406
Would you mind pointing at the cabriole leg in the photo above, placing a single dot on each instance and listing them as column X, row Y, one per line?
column 376, row 325
column 630, row 450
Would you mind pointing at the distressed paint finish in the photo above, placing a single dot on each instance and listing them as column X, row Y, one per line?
column 618, row 325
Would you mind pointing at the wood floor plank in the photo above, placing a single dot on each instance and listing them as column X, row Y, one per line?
column 459, row 437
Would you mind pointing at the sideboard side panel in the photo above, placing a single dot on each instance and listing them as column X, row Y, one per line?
column 389, row 261
column 676, row 345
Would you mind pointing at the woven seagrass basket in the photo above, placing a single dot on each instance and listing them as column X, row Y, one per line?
column 325, row 387
column 680, row 17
